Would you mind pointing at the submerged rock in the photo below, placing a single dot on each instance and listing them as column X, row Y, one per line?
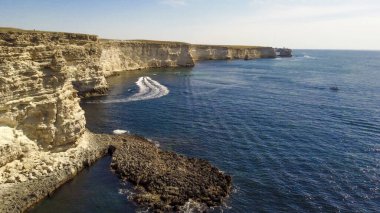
column 165, row 180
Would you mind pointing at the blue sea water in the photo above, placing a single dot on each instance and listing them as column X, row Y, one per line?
column 290, row 142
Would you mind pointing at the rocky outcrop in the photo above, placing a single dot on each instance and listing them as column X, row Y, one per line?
column 283, row 52
column 42, row 126
column 36, row 87
column 166, row 181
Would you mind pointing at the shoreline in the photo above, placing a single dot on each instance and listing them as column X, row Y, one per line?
column 44, row 75
column 51, row 171
column 126, row 164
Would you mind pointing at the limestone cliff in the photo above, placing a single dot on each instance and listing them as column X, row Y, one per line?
column 217, row 52
column 36, row 75
column 131, row 55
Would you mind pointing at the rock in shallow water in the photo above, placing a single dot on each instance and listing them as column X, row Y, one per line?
column 165, row 180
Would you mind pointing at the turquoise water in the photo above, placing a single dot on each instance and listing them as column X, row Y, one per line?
column 290, row 141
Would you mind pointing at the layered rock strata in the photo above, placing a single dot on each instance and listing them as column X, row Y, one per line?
column 131, row 55
column 43, row 141
column 216, row 52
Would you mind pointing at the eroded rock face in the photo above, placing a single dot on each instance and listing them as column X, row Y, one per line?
column 131, row 55
column 216, row 52
column 42, row 126
column 36, row 75
column 165, row 180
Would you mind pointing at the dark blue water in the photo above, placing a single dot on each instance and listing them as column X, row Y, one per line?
column 95, row 189
column 290, row 142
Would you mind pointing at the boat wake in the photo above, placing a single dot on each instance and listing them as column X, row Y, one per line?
column 120, row 131
column 148, row 89
column 309, row 57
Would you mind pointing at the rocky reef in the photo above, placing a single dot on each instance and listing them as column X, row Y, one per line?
column 43, row 140
column 165, row 180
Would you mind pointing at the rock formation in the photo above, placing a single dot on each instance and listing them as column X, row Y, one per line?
column 43, row 141
column 283, row 52
column 216, row 52
column 37, row 72
column 165, row 180
column 131, row 55
column 37, row 172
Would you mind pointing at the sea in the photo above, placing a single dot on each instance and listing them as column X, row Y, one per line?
column 299, row 134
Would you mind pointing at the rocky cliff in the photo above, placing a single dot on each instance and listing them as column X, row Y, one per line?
column 131, row 55
column 37, row 74
column 43, row 141
column 216, row 52
column 119, row 56
column 42, row 77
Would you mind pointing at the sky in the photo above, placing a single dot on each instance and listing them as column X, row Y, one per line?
column 302, row 24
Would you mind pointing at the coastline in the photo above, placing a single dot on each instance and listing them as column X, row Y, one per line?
column 50, row 170
column 133, row 161
column 44, row 142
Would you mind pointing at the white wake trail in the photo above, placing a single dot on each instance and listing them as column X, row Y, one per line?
column 148, row 89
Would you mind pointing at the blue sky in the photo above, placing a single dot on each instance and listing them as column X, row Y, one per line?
column 323, row 24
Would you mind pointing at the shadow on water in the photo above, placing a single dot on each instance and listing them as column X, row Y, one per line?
column 93, row 190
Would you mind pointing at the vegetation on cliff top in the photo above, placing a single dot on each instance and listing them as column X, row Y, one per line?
column 18, row 30
column 10, row 29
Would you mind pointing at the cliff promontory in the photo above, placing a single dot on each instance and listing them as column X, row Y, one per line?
column 43, row 75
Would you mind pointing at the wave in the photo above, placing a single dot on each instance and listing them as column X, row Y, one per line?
column 156, row 143
column 148, row 89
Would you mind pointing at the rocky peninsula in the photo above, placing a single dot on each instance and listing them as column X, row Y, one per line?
column 43, row 140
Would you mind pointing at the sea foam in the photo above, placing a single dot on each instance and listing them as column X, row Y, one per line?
column 148, row 89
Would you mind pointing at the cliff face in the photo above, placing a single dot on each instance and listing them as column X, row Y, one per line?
column 36, row 75
column 131, row 55
column 40, row 112
column 214, row 52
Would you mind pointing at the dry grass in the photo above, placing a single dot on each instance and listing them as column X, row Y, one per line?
column 10, row 29
column 145, row 41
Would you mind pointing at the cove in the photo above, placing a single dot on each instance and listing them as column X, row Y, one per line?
column 94, row 190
